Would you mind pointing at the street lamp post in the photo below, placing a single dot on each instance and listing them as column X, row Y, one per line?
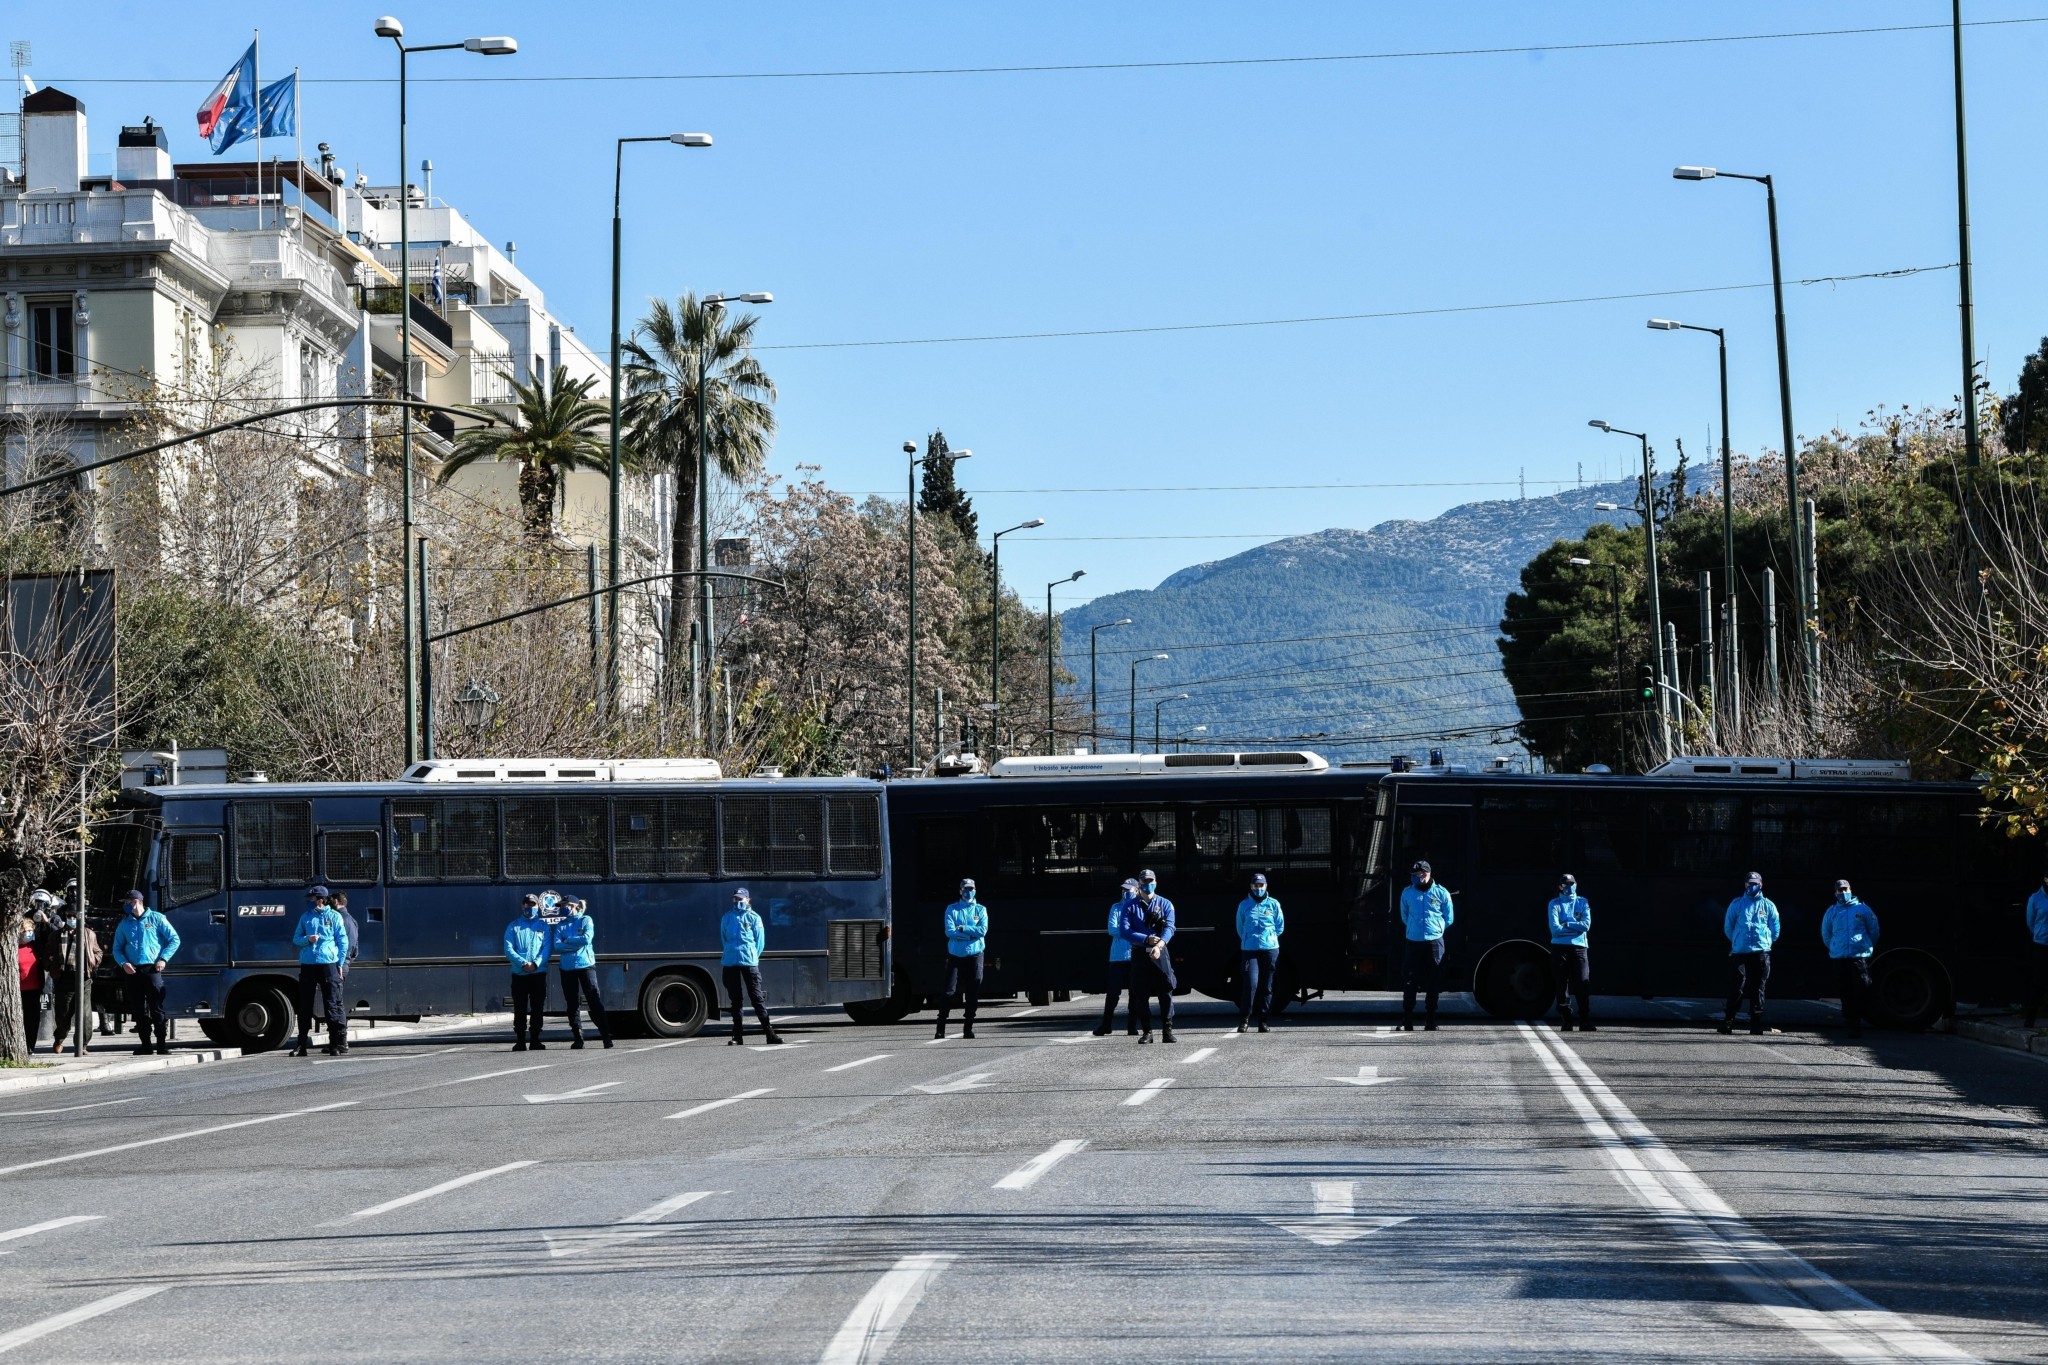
column 1150, row 658
column 995, row 620
column 1614, row 588
column 1094, row 705
column 617, row 532
column 910, row 508
column 1731, row 670
column 1075, row 576
column 1181, row 739
column 716, row 304
column 1155, row 717
column 1650, row 561
column 1808, row 609
column 388, row 27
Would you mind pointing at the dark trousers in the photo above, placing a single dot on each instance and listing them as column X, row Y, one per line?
column 324, row 977
column 2037, row 983
column 1256, row 997
column 1752, row 971
column 1852, row 983
column 749, row 980
column 146, row 1003
column 1152, row 977
column 1422, row 968
column 582, row 981
column 963, row 977
column 1574, row 979
column 1119, row 980
column 31, row 1016
column 529, row 1000
column 67, row 1014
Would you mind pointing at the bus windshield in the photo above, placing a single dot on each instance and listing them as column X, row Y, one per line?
column 114, row 863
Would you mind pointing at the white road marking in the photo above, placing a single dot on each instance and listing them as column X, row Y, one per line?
column 1784, row 1056
column 974, row 1082
column 386, row 1057
column 1198, row 1055
column 51, row 1226
column 1335, row 1220
column 487, row 1076
column 582, row 1092
column 871, row 1328
column 1386, row 1034
column 1021, row 1013
column 1821, row 1308
column 720, row 1104
column 1367, row 1075
column 1027, row 1174
column 444, row 1187
column 656, row 1047
column 36, row 1331
column 171, row 1137
column 1148, row 1090
column 783, row 1046
column 67, row 1109
column 1076, row 1038
column 848, row 1066
column 632, row 1228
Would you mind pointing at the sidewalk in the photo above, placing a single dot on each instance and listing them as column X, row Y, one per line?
column 2004, row 1030
column 110, row 1062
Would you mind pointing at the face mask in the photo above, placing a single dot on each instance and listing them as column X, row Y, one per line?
column 966, row 893
column 135, row 910
column 1755, row 888
column 1258, row 893
column 742, row 906
column 1150, row 887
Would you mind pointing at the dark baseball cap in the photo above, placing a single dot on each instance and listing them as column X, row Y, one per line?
column 1148, row 875
column 1419, row 865
column 133, row 896
column 318, row 893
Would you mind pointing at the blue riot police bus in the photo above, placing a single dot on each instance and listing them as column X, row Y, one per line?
column 435, row 864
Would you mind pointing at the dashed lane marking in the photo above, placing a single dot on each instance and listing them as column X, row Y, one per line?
column 36, row 1331
column 16, row 1234
column 1027, row 1175
column 1148, row 1090
column 67, row 1109
column 444, row 1187
column 706, row 1108
column 170, row 1137
column 632, row 1228
column 848, row 1066
column 1198, row 1055
column 871, row 1328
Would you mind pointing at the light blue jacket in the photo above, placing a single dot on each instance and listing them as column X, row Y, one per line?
column 2037, row 917
column 743, row 936
column 145, row 940
column 1119, row 946
column 966, row 928
column 1849, row 928
column 1570, row 918
column 1260, row 924
column 1426, row 914
column 1751, row 924
column 576, row 941
column 529, row 939
column 321, row 937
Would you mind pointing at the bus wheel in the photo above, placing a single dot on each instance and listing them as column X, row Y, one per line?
column 216, row 1031
column 893, row 1008
column 676, row 1004
column 1909, row 989
column 1514, row 982
column 259, row 1016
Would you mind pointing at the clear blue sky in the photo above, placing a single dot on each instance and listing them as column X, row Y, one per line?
column 948, row 205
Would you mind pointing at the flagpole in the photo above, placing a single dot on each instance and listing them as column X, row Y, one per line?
column 256, row 47
column 298, row 153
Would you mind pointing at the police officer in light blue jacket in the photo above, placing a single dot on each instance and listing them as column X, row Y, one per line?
column 966, row 926
column 1260, row 923
column 743, row 938
column 2037, row 928
column 323, row 943
column 1571, row 921
column 143, row 946
column 529, row 942
column 1426, row 912
column 1119, row 965
column 1751, row 927
column 1849, row 928
column 576, row 959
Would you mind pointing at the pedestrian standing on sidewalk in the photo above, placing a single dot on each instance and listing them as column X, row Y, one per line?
column 143, row 946
column 323, row 942
column 1119, row 966
column 1426, row 911
column 28, row 962
column 529, row 940
column 2037, row 973
column 338, row 902
column 1849, row 928
column 1751, row 926
column 1259, row 926
column 1148, row 926
column 966, row 926
column 1571, row 920
column 576, row 944
column 71, row 931
column 745, row 938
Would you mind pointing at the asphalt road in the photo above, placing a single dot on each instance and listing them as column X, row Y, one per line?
column 1332, row 1191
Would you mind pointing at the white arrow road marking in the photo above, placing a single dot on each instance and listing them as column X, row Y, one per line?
column 706, row 1108
column 67, row 1109
column 870, row 1329
column 50, row 1226
column 169, row 1137
column 1336, row 1219
column 1027, row 1174
column 1367, row 1075
column 632, row 1228
column 1148, row 1090
column 974, row 1082
column 578, row 1094
column 35, row 1331
column 457, row 1183
column 1198, row 1055
column 848, row 1066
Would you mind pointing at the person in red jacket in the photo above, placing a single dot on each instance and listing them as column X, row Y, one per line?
column 30, row 966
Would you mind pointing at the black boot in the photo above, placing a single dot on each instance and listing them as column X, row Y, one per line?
column 1726, row 1025
column 967, row 1031
column 1588, row 1027
column 576, row 1043
column 536, row 1045
column 304, row 1048
column 1166, row 1033
column 1564, row 1023
column 1428, row 1022
column 1263, row 1028
column 774, row 1039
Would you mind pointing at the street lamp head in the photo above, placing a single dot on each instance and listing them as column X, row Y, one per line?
column 959, row 454
column 1599, row 425
column 1582, row 563
column 1665, row 325
column 1126, row 621
column 1032, row 524
column 1076, row 576
column 910, row 447
column 495, row 46
column 761, row 297
column 1693, row 173
column 1606, row 507
column 388, row 27
column 1182, row 697
column 1162, row 656
column 690, row 139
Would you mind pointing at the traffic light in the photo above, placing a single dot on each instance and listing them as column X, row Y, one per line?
column 1646, row 682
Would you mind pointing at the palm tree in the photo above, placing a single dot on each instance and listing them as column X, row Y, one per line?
column 552, row 431
column 662, row 363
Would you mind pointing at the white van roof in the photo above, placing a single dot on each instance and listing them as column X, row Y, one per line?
column 563, row 770
column 1144, row 765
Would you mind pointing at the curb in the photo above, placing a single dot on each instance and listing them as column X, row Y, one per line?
column 2019, row 1039
column 114, row 1070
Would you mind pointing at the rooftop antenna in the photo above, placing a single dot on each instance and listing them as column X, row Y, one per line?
column 20, row 56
